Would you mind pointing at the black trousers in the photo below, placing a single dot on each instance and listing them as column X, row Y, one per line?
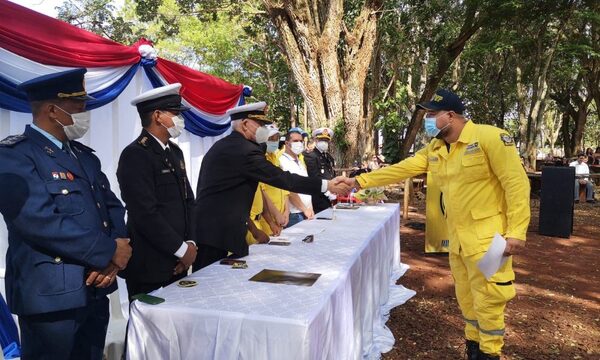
column 70, row 334
column 208, row 255
column 137, row 287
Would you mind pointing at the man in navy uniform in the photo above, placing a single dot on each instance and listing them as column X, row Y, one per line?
column 66, row 232
column 157, row 194
column 320, row 163
column 230, row 173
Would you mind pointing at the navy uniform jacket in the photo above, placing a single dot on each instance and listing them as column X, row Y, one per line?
column 228, row 179
column 320, row 164
column 159, row 200
column 62, row 219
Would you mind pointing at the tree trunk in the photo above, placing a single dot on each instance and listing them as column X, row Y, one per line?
column 521, row 106
column 330, row 78
column 565, row 135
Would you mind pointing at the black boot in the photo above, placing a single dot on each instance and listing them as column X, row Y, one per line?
column 472, row 350
column 484, row 356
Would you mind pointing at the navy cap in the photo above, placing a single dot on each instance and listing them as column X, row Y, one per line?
column 444, row 100
column 256, row 111
column 68, row 84
column 162, row 98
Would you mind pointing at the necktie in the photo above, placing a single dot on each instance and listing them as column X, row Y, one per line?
column 67, row 149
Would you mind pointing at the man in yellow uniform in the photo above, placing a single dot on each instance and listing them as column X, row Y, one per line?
column 275, row 199
column 485, row 191
column 263, row 222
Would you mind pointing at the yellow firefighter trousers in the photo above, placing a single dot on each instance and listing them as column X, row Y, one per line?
column 482, row 301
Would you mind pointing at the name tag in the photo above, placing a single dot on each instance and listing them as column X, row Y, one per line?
column 473, row 148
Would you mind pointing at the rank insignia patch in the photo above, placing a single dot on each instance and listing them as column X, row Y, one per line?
column 507, row 139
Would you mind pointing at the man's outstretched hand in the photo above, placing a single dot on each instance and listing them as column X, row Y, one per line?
column 341, row 185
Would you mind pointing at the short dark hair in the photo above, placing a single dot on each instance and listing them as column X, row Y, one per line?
column 288, row 135
column 581, row 154
column 146, row 118
column 36, row 106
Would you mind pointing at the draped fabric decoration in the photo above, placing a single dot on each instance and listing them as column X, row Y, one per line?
column 29, row 48
column 9, row 336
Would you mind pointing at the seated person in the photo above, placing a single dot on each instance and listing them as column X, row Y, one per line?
column 597, row 156
column 582, row 171
column 589, row 153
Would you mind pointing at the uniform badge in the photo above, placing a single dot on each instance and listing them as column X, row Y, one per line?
column 48, row 150
column 70, row 176
column 63, row 176
column 181, row 164
column 472, row 148
column 12, row 140
column 507, row 139
column 55, row 176
column 143, row 141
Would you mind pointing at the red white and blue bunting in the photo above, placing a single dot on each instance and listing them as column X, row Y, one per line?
column 29, row 47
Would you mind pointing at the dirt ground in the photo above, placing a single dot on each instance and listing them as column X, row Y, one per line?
column 555, row 315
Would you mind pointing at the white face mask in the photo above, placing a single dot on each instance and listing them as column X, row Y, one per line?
column 297, row 147
column 261, row 135
column 177, row 128
column 272, row 146
column 323, row 146
column 80, row 126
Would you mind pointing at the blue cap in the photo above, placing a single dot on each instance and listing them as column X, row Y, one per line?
column 61, row 85
column 444, row 100
column 297, row 130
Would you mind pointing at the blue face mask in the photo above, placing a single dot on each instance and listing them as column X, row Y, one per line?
column 272, row 146
column 430, row 127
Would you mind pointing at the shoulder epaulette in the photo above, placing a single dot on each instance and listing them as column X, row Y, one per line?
column 143, row 141
column 12, row 140
column 81, row 146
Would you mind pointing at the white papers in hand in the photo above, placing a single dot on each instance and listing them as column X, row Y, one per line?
column 493, row 259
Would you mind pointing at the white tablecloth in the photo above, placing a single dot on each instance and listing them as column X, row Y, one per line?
column 342, row 316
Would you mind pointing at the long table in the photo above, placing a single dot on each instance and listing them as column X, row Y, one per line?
column 341, row 316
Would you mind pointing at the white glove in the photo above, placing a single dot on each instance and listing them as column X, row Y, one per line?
column 330, row 195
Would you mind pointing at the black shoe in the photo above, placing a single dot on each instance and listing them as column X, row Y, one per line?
column 577, row 201
column 472, row 350
column 484, row 356
column 591, row 201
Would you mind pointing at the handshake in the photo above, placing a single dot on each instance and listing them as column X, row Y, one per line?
column 342, row 185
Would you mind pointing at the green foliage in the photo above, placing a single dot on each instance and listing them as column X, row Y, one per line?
column 394, row 117
column 339, row 136
column 236, row 41
column 100, row 17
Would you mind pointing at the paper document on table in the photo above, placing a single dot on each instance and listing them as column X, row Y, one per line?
column 286, row 277
column 493, row 259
